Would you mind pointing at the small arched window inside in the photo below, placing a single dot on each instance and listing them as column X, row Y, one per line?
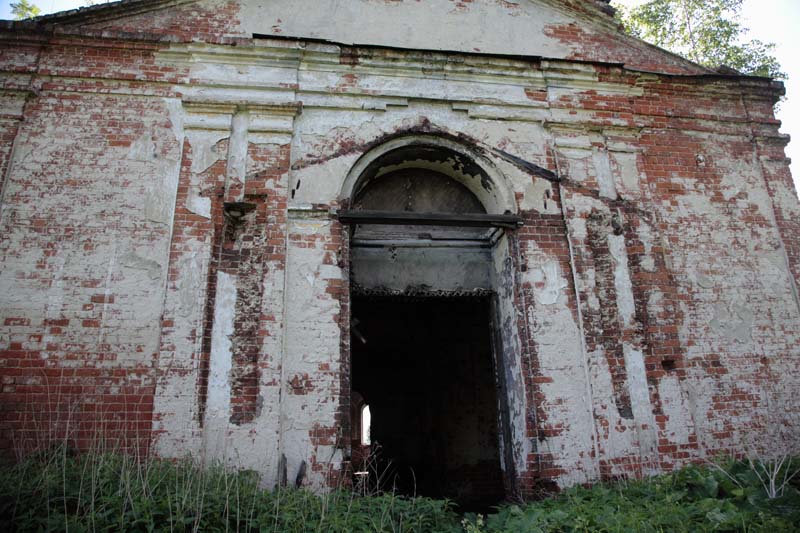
column 366, row 419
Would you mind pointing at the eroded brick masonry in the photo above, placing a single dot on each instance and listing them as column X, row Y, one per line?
column 183, row 270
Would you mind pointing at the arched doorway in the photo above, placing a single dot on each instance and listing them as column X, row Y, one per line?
column 425, row 351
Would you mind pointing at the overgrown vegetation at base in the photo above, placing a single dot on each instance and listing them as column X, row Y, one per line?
column 111, row 492
column 728, row 497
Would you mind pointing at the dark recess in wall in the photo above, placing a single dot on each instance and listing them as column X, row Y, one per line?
column 426, row 372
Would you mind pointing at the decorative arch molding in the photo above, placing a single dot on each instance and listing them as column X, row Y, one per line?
column 446, row 156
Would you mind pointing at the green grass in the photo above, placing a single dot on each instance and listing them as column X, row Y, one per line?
column 57, row 491
column 728, row 497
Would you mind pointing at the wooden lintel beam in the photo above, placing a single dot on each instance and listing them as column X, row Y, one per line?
column 402, row 218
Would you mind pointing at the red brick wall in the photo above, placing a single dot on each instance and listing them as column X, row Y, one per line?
column 86, row 257
column 207, row 22
column 96, row 226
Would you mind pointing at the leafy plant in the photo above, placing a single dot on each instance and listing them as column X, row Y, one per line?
column 708, row 32
column 22, row 9
column 60, row 491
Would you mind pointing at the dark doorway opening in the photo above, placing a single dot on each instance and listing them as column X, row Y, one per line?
column 425, row 367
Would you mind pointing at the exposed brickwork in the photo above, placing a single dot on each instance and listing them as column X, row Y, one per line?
column 173, row 278
column 594, row 45
column 209, row 21
column 188, row 226
column 541, row 234
column 9, row 124
column 76, row 358
column 254, row 248
column 603, row 324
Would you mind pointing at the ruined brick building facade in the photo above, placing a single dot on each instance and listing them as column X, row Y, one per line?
column 540, row 250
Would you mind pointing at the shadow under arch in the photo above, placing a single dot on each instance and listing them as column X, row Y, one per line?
column 439, row 154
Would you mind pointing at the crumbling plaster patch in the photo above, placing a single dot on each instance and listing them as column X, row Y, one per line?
column 561, row 360
column 615, row 435
column 506, row 314
column 538, row 196
column 219, row 384
column 311, row 348
column 626, row 306
column 192, row 281
column 645, row 426
column 785, row 199
column 602, row 171
column 740, row 178
column 548, row 282
column 733, row 321
column 206, row 151
column 679, row 424
column 644, row 232
column 135, row 261
column 236, row 167
column 626, row 169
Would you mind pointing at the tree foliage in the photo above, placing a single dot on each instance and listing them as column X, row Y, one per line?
column 23, row 9
column 708, row 32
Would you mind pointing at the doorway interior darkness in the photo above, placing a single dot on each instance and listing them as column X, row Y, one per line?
column 424, row 365
column 430, row 285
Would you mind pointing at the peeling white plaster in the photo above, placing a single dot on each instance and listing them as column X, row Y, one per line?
column 602, row 168
column 199, row 205
column 137, row 262
column 616, row 436
column 160, row 200
column 734, row 321
column 626, row 304
column 521, row 445
column 628, row 173
column 645, row 233
column 538, row 197
column 143, row 148
column 554, row 282
column 191, row 284
column 560, row 353
column 237, row 152
column 219, row 387
column 640, row 399
column 311, row 339
column 679, row 423
column 204, row 148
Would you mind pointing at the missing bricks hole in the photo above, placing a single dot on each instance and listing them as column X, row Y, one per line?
column 616, row 224
column 237, row 210
column 668, row 364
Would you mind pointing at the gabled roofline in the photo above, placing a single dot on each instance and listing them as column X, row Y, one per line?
column 122, row 8
column 41, row 34
column 109, row 10
column 606, row 19
column 125, row 6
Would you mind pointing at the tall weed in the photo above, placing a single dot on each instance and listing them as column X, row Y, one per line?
column 59, row 491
